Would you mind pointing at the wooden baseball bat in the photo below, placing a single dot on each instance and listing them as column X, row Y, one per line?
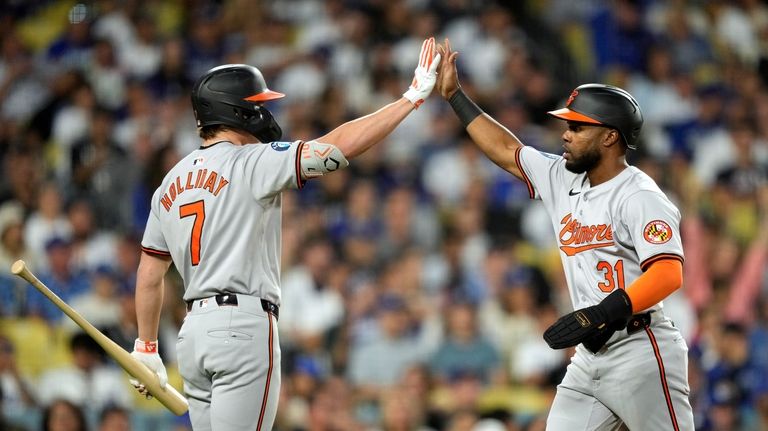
column 169, row 396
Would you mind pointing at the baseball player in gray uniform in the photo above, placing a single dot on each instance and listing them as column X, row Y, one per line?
column 619, row 242
column 216, row 216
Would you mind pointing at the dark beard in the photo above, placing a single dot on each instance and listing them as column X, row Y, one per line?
column 587, row 161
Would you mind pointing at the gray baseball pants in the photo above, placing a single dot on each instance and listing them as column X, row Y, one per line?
column 637, row 381
column 229, row 358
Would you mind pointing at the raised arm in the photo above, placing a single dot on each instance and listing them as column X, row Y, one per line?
column 355, row 137
column 493, row 139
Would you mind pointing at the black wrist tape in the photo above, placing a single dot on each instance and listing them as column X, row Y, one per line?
column 464, row 107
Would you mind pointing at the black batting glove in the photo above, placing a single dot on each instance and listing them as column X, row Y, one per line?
column 611, row 314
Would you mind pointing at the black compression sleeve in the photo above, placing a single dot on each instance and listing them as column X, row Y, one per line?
column 464, row 107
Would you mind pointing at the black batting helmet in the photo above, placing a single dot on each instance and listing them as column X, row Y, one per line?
column 605, row 105
column 230, row 95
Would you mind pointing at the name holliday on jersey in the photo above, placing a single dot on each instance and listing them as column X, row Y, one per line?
column 211, row 181
column 574, row 234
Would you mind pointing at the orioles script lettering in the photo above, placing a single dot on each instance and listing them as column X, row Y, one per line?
column 576, row 237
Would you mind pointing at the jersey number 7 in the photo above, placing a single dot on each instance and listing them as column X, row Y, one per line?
column 197, row 210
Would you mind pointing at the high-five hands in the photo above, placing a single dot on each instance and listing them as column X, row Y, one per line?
column 448, row 82
column 425, row 75
column 449, row 88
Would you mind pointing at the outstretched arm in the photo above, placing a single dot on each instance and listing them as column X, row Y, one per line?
column 493, row 139
column 355, row 137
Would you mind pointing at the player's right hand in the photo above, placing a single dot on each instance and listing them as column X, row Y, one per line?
column 146, row 352
column 425, row 75
column 448, row 77
column 612, row 313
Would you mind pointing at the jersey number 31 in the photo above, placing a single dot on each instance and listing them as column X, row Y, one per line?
column 608, row 271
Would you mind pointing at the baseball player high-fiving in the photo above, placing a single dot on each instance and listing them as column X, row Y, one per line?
column 619, row 242
column 216, row 216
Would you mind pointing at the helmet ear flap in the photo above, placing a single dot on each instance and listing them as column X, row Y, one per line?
column 263, row 125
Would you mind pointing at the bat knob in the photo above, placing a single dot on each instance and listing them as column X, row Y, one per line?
column 18, row 267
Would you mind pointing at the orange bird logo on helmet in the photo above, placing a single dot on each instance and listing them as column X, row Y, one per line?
column 573, row 95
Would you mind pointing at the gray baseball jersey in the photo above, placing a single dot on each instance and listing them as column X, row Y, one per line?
column 217, row 214
column 608, row 235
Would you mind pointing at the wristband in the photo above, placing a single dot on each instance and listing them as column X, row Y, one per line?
column 464, row 107
column 145, row 346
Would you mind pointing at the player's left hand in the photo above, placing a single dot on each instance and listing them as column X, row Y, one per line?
column 147, row 353
column 425, row 75
column 448, row 77
column 612, row 313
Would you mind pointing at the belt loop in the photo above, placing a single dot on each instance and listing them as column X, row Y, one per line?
column 270, row 308
column 638, row 322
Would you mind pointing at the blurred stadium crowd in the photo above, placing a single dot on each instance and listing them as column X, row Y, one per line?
column 417, row 283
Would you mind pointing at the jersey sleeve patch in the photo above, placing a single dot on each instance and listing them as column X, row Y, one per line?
column 657, row 232
column 280, row 146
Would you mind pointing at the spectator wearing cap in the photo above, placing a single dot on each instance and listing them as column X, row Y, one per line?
column 619, row 36
column 61, row 277
column 464, row 348
column 508, row 317
column 204, row 45
column 458, row 394
column 734, row 378
column 380, row 362
column 46, row 222
column 359, row 215
column 744, row 176
column 99, row 305
column 685, row 136
column 724, row 412
column 304, row 379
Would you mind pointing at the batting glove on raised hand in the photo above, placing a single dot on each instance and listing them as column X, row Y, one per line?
column 611, row 314
column 146, row 352
column 425, row 75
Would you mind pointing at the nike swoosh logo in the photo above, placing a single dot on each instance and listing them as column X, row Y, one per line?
column 572, row 193
column 571, row 251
